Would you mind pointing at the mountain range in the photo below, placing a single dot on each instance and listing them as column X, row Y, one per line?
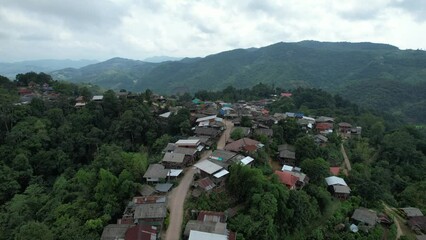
column 46, row 65
column 379, row 76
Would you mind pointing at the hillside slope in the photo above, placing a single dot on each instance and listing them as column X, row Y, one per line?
column 371, row 74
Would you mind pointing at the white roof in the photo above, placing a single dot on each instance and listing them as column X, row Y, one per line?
column 97, row 97
column 80, row 104
column 333, row 180
column 208, row 166
column 166, row 115
column 246, row 160
column 204, row 124
column 227, row 108
column 174, row 172
column 220, row 174
column 206, row 118
column 185, row 142
column 197, row 235
column 287, row 168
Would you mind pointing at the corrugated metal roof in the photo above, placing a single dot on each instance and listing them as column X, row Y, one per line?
column 221, row 173
column 197, row 235
column 246, row 160
column 333, row 180
column 208, row 166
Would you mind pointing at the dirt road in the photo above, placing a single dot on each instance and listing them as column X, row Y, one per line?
column 178, row 195
column 225, row 136
column 175, row 204
column 345, row 156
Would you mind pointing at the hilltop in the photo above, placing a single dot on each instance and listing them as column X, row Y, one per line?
column 379, row 76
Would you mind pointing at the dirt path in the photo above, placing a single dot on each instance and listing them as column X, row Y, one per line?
column 391, row 212
column 345, row 156
column 175, row 204
column 225, row 136
column 178, row 195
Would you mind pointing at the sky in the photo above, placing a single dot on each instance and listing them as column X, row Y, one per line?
column 137, row 29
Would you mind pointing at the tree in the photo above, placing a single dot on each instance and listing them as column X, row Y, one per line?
column 316, row 169
column 306, row 148
column 237, row 133
column 246, row 122
column 34, row 231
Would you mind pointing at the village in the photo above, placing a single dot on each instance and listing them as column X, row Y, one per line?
column 200, row 164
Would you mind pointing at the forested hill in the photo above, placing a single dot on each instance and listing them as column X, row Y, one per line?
column 374, row 75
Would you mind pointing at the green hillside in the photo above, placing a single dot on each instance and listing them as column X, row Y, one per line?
column 374, row 75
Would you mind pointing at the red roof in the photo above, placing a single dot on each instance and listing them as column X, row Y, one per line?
column 287, row 178
column 141, row 232
column 206, row 184
column 324, row 126
column 335, row 170
column 24, row 91
column 250, row 148
column 286, row 94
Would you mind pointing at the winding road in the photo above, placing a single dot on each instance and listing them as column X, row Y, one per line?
column 176, row 198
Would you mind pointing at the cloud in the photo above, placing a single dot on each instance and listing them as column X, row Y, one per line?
column 33, row 29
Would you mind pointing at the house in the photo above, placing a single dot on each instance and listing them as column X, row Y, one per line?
column 155, row 173
column 288, row 179
column 24, row 91
column 151, row 213
column 169, row 148
column 189, row 143
column 356, row 131
column 345, row 127
column 292, row 177
column 324, row 127
column 204, row 140
column 207, row 131
column 114, row 231
column 338, row 187
column 209, row 226
column 209, row 169
column 204, row 184
column 320, row 139
column 287, row 157
column 417, row 224
column 410, row 212
column 247, row 161
column 364, row 218
column 286, row 94
column 244, row 145
column 286, row 154
column 142, row 232
column 191, row 154
column 97, row 98
column 173, row 160
column 210, row 216
column 197, row 235
column 222, row 155
column 323, row 119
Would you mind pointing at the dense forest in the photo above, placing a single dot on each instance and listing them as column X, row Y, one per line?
column 67, row 172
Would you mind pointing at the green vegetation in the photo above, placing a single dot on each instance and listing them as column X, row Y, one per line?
column 65, row 172
column 377, row 76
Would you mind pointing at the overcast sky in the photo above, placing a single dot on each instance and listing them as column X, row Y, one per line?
column 102, row 29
